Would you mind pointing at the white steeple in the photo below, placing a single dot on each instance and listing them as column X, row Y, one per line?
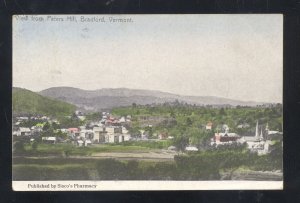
column 261, row 134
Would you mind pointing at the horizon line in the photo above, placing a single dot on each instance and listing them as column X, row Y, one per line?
column 175, row 94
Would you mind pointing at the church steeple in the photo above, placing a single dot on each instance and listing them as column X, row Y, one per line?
column 261, row 134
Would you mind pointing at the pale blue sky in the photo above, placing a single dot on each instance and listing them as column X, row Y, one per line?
column 232, row 56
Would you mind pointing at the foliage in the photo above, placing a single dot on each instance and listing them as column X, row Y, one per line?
column 34, row 146
column 178, row 119
column 19, row 147
column 30, row 122
column 181, row 142
column 204, row 165
column 70, row 122
column 39, row 172
column 93, row 116
column 25, row 101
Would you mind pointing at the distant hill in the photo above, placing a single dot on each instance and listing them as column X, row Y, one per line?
column 108, row 98
column 26, row 101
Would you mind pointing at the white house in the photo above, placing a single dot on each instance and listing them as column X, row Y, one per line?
column 172, row 148
column 244, row 125
column 50, row 140
column 23, row 131
column 191, row 149
column 82, row 118
column 122, row 120
column 87, row 142
column 124, row 130
column 209, row 126
column 79, row 143
column 124, row 137
column 144, row 136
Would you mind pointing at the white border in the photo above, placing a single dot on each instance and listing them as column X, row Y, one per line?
column 146, row 185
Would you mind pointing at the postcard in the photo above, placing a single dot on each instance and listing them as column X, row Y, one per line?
column 147, row 102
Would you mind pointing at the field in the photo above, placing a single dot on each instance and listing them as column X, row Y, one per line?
column 119, row 162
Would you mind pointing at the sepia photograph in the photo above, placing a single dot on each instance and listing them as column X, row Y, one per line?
column 147, row 102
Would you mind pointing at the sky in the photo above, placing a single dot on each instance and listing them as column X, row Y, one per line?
column 232, row 56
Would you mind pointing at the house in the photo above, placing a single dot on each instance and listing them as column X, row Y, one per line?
column 274, row 135
column 87, row 134
column 73, row 132
column 124, row 138
column 49, row 140
column 64, row 130
column 172, row 148
column 79, row 143
column 225, row 138
column 36, row 130
column 99, row 134
column 22, row 131
column 22, row 118
column 45, row 118
column 15, row 133
column 82, row 118
column 124, row 130
column 108, row 122
column 116, row 123
column 163, row 136
column 110, row 134
column 244, row 125
column 209, row 126
column 122, row 119
column 191, row 149
column 144, row 136
column 102, row 121
column 111, row 138
column 113, row 129
column 87, row 143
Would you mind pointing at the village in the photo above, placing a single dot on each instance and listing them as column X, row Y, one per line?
column 113, row 130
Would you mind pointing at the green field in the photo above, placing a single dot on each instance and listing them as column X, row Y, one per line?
column 65, row 149
column 194, row 166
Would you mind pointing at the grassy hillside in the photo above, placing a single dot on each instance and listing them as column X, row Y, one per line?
column 25, row 101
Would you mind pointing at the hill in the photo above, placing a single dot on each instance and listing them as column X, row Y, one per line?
column 26, row 101
column 109, row 98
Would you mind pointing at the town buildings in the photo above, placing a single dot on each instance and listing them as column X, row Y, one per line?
column 106, row 130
